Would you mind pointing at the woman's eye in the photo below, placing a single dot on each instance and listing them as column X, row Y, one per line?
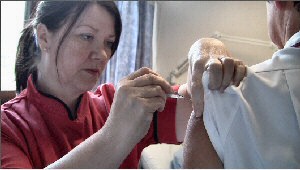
column 86, row 37
column 109, row 44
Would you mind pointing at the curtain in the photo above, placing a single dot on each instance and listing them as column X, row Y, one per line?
column 135, row 46
column 29, row 8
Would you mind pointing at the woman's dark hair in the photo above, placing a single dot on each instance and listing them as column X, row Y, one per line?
column 54, row 14
column 297, row 5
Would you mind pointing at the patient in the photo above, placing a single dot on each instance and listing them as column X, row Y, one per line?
column 254, row 125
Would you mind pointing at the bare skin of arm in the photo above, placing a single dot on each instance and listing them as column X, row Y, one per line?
column 198, row 150
column 207, row 55
column 222, row 73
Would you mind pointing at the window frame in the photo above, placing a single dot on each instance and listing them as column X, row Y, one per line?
column 6, row 95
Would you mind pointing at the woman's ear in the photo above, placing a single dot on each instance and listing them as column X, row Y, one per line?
column 43, row 36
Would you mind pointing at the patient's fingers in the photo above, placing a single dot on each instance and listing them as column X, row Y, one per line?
column 239, row 72
column 214, row 68
column 197, row 93
column 228, row 71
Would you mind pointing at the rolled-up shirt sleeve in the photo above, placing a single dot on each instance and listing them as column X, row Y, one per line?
column 220, row 110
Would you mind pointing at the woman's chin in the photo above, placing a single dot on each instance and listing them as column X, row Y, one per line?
column 85, row 83
column 86, row 86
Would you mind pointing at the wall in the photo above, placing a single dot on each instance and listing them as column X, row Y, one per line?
column 180, row 23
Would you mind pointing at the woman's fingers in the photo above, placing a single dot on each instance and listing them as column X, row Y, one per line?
column 151, row 79
column 157, row 103
column 144, row 84
column 145, row 76
column 140, row 72
column 150, row 91
column 137, row 97
column 140, row 100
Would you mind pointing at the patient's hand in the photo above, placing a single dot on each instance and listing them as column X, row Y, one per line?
column 211, row 55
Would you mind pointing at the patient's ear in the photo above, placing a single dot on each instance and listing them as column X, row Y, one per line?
column 43, row 36
column 279, row 4
column 282, row 5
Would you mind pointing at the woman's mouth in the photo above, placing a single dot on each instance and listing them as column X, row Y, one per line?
column 94, row 72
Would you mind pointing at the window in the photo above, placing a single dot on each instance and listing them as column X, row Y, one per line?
column 12, row 22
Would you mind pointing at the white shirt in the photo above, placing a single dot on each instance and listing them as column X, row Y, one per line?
column 257, row 125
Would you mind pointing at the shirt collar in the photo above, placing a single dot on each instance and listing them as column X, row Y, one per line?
column 47, row 102
column 283, row 59
column 293, row 40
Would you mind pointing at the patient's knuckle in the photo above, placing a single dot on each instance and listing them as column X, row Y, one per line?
column 145, row 70
column 215, row 67
column 158, row 88
column 228, row 61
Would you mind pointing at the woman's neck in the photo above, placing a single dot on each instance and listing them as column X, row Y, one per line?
column 53, row 87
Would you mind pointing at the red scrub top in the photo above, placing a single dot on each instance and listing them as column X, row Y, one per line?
column 36, row 129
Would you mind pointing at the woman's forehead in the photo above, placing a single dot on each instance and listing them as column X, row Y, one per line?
column 94, row 13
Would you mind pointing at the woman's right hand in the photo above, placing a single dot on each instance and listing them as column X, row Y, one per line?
column 137, row 97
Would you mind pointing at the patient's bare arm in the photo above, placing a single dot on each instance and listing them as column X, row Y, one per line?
column 198, row 150
column 207, row 55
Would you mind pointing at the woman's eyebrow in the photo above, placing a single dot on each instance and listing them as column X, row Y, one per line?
column 85, row 25
column 95, row 29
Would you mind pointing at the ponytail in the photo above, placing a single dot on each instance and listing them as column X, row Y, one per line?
column 297, row 5
column 27, row 51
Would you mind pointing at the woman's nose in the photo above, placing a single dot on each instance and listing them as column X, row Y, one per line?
column 99, row 52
